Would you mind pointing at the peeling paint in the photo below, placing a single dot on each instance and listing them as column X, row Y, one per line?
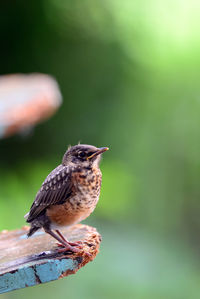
column 19, row 279
column 52, row 270
column 30, row 276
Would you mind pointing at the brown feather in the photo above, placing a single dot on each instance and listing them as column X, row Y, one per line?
column 56, row 189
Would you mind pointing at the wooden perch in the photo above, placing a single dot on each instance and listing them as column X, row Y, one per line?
column 28, row 262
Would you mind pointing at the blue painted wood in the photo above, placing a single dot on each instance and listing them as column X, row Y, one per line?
column 31, row 275
column 23, row 262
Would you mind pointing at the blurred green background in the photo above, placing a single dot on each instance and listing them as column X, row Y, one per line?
column 129, row 72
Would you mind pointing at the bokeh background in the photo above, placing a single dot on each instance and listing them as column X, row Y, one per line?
column 129, row 72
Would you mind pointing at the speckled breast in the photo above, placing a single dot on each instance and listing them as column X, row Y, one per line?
column 82, row 202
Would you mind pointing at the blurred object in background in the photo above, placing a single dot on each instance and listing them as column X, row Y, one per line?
column 26, row 100
column 130, row 73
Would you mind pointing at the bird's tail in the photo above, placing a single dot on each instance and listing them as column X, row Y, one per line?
column 32, row 230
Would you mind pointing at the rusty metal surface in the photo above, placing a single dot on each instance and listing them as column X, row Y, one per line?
column 27, row 262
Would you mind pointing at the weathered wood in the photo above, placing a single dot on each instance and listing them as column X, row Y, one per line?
column 28, row 262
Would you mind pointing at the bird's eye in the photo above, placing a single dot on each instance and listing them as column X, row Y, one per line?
column 81, row 155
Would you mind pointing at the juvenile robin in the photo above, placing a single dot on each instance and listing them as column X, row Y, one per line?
column 69, row 194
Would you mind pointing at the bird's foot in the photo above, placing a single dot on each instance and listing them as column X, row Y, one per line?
column 70, row 246
column 76, row 247
column 67, row 247
column 77, row 244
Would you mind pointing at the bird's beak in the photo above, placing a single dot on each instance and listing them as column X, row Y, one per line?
column 100, row 150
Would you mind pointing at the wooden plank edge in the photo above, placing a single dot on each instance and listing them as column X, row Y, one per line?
column 49, row 266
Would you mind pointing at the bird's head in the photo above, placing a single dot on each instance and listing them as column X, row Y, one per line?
column 83, row 155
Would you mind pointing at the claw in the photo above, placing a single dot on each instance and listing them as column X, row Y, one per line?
column 77, row 244
column 59, row 244
column 67, row 247
column 72, row 248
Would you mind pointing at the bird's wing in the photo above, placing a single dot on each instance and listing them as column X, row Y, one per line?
column 56, row 188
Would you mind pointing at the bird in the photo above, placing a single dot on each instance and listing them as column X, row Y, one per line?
column 68, row 195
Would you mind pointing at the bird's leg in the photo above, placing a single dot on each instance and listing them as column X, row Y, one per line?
column 61, row 235
column 78, row 243
column 65, row 244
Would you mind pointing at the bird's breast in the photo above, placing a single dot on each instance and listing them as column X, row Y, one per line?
column 83, row 200
column 87, row 184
